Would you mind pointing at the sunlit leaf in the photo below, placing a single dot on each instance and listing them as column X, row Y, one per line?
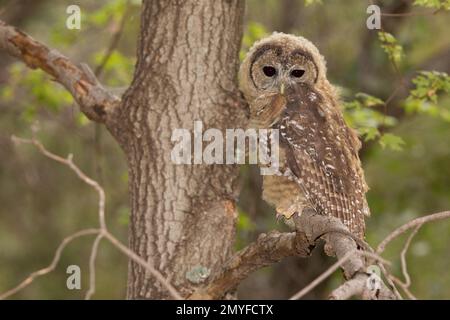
column 312, row 2
column 391, row 141
column 391, row 47
column 436, row 4
column 424, row 98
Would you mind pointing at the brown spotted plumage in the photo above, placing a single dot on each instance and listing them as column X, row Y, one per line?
column 284, row 81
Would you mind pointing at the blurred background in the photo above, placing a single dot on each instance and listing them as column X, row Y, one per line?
column 401, row 112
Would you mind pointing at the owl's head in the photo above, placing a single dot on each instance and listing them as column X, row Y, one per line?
column 278, row 62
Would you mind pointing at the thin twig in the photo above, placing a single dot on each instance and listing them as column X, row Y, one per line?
column 103, row 231
column 403, row 256
column 407, row 283
column 333, row 268
column 52, row 265
column 418, row 221
column 147, row 265
column 94, row 251
column 404, row 288
column 411, row 14
column 391, row 283
column 323, row 276
column 114, row 41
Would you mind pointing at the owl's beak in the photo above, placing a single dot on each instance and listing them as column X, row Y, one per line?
column 282, row 88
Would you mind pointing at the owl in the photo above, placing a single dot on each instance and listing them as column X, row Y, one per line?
column 283, row 79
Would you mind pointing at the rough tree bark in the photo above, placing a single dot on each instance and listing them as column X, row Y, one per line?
column 183, row 216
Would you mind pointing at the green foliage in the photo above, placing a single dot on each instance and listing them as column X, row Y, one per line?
column 244, row 221
column 369, row 101
column 436, row 4
column 111, row 11
column 409, row 184
column 312, row 2
column 392, row 141
column 391, row 46
column 424, row 97
column 253, row 33
column 118, row 67
column 245, row 225
column 361, row 115
column 63, row 37
column 40, row 92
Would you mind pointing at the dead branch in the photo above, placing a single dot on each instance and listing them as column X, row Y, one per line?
column 350, row 288
column 413, row 223
column 52, row 265
column 416, row 224
column 92, row 259
column 102, row 232
column 403, row 256
column 95, row 101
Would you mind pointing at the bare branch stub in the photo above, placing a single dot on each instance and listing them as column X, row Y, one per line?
column 95, row 101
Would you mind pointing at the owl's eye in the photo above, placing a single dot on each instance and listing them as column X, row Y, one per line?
column 269, row 71
column 297, row 73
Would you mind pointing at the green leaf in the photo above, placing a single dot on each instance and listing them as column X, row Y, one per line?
column 312, row 2
column 360, row 115
column 369, row 133
column 424, row 98
column 391, row 141
column 254, row 32
column 368, row 100
column 42, row 93
column 435, row 4
column 113, row 10
column 390, row 46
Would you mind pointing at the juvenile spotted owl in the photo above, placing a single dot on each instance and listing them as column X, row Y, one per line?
column 283, row 78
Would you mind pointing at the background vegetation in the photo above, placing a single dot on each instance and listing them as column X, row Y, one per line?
column 394, row 85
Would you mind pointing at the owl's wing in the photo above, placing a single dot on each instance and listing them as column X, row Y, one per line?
column 322, row 153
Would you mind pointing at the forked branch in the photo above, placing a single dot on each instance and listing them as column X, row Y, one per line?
column 101, row 233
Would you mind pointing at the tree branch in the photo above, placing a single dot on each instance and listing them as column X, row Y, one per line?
column 95, row 101
column 52, row 265
column 274, row 246
column 266, row 250
column 413, row 223
column 346, row 249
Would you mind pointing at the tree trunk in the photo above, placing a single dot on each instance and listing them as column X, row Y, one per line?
column 182, row 216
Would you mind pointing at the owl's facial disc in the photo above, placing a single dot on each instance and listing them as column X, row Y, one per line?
column 274, row 71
